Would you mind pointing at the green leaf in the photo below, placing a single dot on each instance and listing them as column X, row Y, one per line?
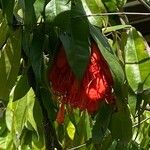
column 71, row 130
column 9, row 63
column 20, row 112
column 3, row 30
column 94, row 7
column 102, row 122
column 46, row 98
column 137, row 62
column 77, row 43
column 36, row 54
column 111, row 5
column 112, row 60
column 38, row 142
column 115, row 28
column 2, row 125
column 39, row 7
column 21, row 84
column 121, row 126
column 121, row 3
column 62, row 21
column 29, row 13
column 55, row 7
column 8, row 6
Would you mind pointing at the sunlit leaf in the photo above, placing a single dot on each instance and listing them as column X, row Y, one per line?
column 137, row 62
column 71, row 130
column 94, row 7
column 20, row 112
column 55, row 7
column 115, row 28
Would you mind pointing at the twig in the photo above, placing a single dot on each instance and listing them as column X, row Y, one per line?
column 140, row 122
column 145, row 4
column 114, row 13
column 74, row 148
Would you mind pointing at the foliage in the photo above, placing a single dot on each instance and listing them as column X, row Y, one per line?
column 30, row 33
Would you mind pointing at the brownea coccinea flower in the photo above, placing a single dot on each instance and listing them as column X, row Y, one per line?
column 96, row 85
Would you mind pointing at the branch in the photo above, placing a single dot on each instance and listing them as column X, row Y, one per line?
column 114, row 13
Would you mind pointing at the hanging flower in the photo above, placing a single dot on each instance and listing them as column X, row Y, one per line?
column 96, row 85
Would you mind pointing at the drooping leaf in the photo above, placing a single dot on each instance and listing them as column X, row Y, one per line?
column 137, row 62
column 46, row 99
column 10, row 63
column 102, row 122
column 121, row 126
column 36, row 54
column 110, row 57
column 77, row 43
column 62, row 21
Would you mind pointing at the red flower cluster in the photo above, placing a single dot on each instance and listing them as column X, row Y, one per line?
column 95, row 87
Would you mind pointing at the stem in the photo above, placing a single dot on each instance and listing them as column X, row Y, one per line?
column 50, row 134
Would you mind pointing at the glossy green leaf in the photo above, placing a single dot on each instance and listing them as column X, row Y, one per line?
column 137, row 62
column 10, row 63
column 77, row 43
column 102, row 122
column 55, row 7
column 95, row 7
column 8, row 6
column 121, row 126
